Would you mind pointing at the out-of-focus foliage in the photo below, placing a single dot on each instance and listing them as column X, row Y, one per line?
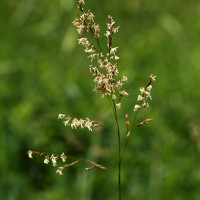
column 43, row 72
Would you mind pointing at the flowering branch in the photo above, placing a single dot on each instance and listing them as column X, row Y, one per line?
column 143, row 97
column 54, row 160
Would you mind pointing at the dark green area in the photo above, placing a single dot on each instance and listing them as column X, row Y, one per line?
column 44, row 72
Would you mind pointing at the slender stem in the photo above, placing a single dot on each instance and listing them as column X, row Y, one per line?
column 119, row 151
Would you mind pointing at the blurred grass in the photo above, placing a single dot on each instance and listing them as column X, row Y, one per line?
column 43, row 72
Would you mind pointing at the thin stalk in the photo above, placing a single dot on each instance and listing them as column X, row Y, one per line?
column 119, row 151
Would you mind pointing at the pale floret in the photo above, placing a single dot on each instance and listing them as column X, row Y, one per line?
column 152, row 77
column 46, row 160
column 88, row 124
column 30, row 154
column 118, row 105
column 140, row 98
column 149, row 88
column 59, row 170
column 61, row 116
column 113, row 50
column 63, row 157
column 54, row 160
column 136, row 108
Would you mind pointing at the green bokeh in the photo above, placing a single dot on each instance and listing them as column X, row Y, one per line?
column 44, row 72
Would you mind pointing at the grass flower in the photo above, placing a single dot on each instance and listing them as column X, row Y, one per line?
column 109, row 82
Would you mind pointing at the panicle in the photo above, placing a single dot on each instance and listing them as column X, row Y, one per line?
column 106, row 72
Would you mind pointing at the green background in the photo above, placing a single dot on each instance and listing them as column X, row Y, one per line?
column 44, row 72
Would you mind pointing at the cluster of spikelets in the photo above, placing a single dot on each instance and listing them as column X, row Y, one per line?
column 145, row 94
column 74, row 122
column 54, row 160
